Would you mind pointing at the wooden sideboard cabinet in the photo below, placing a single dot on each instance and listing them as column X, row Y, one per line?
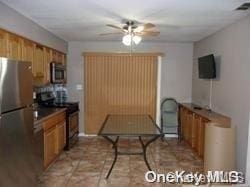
column 193, row 124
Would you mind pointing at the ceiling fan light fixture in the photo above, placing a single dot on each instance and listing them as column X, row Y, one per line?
column 126, row 40
column 137, row 39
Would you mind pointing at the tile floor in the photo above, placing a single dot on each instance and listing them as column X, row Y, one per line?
column 89, row 161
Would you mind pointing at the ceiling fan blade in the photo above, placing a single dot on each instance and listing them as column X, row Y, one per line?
column 148, row 33
column 114, row 26
column 148, row 26
column 104, row 34
column 144, row 27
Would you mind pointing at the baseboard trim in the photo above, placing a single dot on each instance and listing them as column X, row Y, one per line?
column 93, row 135
column 170, row 135
column 86, row 135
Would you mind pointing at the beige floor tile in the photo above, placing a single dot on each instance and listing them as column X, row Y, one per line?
column 89, row 161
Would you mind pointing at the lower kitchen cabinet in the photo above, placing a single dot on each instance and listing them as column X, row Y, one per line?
column 54, row 137
column 50, row 145
column 61, row 132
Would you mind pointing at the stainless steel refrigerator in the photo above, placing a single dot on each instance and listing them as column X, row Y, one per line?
column 19, row 163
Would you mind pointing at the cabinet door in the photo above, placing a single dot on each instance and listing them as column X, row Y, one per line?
column 3, row 43
column 61, row 134
column 195, row 132
column 38, row 68
column 60, row 57
column 50, row 145
column 14, row 47
column 201, row 136
column 54, row 56
column 47, row 60
column 189, row 127
column 28, row 51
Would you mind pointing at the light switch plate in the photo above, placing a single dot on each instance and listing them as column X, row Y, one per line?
column 78, row 87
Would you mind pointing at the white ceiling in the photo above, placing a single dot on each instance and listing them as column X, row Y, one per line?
column 84, row 20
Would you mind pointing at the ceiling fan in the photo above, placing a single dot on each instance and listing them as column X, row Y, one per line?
column 133, row 32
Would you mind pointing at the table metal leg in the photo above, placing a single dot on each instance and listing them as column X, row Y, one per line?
column 116, row 140
column 144, row 149
column 116, row 153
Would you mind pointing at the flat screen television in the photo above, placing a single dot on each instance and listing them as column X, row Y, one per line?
column 207, row 68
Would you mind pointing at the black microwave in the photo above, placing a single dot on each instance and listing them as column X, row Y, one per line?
column 57, row 73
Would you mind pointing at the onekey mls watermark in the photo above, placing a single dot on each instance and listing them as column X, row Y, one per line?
column 196, row 178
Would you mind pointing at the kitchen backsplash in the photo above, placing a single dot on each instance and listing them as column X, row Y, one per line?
column 59, row 90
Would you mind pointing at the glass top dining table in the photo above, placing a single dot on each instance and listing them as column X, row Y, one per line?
column 129, row 126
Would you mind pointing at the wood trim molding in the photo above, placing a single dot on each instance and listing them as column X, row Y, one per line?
column 122, row 54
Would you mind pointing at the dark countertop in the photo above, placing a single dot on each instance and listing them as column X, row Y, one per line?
column 44, row 113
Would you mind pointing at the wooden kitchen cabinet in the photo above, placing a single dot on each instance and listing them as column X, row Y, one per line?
column 61, row 132
column 28, row 48
column 50, row 145
column 54, row 56
column 39, row 61
column 189, row 125
column 16, row 47
column 60, row 57
column 47, row 60
column 195, row 131
column 38, row 68
column 201, row 136
column 3, row 43
column 54, row 137
column 193, row 123
column 14, row 44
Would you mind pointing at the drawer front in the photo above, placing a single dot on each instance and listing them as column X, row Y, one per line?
column 54, row 120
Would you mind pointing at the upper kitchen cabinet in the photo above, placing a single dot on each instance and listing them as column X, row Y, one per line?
column 47, row 60
column 14, row 47
column 38, row 68
column 54, row 56
column 28, row 48
column 3, row 43
column 58, row 57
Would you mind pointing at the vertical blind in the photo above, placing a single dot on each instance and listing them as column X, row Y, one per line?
column 118, row 84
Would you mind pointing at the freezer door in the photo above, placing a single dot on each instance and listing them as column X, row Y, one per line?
column 16, row 84
column 18, row 165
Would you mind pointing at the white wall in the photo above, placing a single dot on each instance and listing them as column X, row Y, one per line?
column 176, row 68
column 231, row 90
column 248, row 156
column 21, row 25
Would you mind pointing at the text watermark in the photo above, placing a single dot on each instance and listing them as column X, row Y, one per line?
column 196, row 178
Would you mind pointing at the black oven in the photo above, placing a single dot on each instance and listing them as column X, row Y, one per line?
column 57, row 73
